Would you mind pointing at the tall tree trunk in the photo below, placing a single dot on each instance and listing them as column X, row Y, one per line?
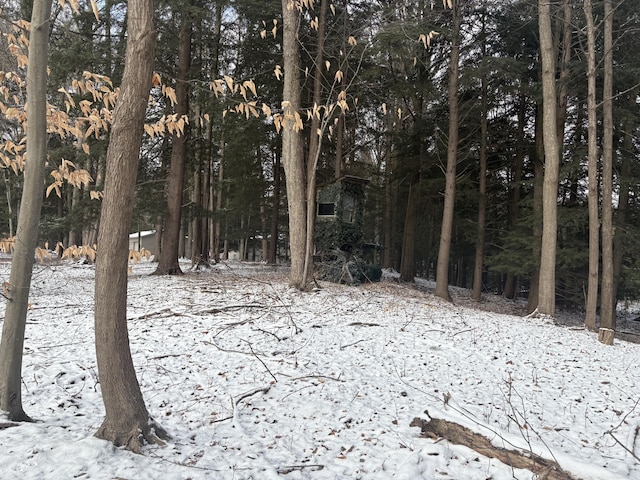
column 516, row 188
column 315, row 142
column 608, row 304
column 390, row 197
column 15, row 318
column 442, row 273
column 538, row 180
column 594, row 217
column 168, row 261
column 292, row 146
column 547, row 281
column 127, row 422
column 219, row 197
column 482, row 187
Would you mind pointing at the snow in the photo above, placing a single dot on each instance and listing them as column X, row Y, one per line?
column 255, row 380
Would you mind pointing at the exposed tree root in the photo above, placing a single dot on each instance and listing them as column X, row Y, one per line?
column 454, row 433
column 150, row 433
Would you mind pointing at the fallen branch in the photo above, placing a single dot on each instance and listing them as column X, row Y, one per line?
column 292, row 468
column 250, row 394
column 454, row 433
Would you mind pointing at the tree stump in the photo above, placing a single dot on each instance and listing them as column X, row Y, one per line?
column 606, row 336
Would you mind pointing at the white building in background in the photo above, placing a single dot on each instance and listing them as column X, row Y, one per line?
column 145, row 239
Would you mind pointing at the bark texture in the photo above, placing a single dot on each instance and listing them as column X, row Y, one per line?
column 13, row 330
column 608, row 303
column 547, row 279
column 594, row 217
column 292, row 146
column 127, row 422
column 436, row 428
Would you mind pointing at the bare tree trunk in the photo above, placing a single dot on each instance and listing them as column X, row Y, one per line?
column 168, row 261
column 127, row 422
column 594, row 217
column 390, row 194
column 516, row 189
column 482, row 187
column 442, row 273
column 219, row 193
column 15, row 318
column 538, row 180
column 315, row 142
column 547, row 282
column 275, row 210
column 292, row 147
column 608, row 304
column 408, row 263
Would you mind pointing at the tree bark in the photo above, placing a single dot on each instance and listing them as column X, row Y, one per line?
column 442, row 273
column 482, row 187
column 292, row 147
column 547, row 281
column 15, row 319
column 594, row 217
column 127, row 422
column 168, row 261
column 608, row 304
column 315, row 143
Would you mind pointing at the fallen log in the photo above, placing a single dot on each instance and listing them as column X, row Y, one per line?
column 437, row 428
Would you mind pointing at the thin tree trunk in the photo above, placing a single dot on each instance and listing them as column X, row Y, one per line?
column 516, row 189
column 15, row 318
column 408, row 263
column 594, row 217
column 127, row 422
column 442, row 273
column 275, row 210
column 482, row 187
column 292, row 146
column 608, row 304
column 219, row 193
column 315, row 142
column 389, row 197
column 168, row 261
column 547, row 281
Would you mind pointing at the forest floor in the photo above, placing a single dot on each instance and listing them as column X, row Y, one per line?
column 255, row 380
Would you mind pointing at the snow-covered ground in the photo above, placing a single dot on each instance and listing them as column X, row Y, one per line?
column 254, row 380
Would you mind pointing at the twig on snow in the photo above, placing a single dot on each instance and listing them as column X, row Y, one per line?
column 261, row 361
column 351, row 344
column 251, row 393
column 284, row 470
column 610, row 432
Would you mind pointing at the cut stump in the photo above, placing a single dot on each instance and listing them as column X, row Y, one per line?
column 606, row 336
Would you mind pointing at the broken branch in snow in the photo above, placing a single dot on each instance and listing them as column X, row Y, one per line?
column 251, row 393
column 4, row 425
column 292, row 468
column 262, row 362
column 437, row 428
